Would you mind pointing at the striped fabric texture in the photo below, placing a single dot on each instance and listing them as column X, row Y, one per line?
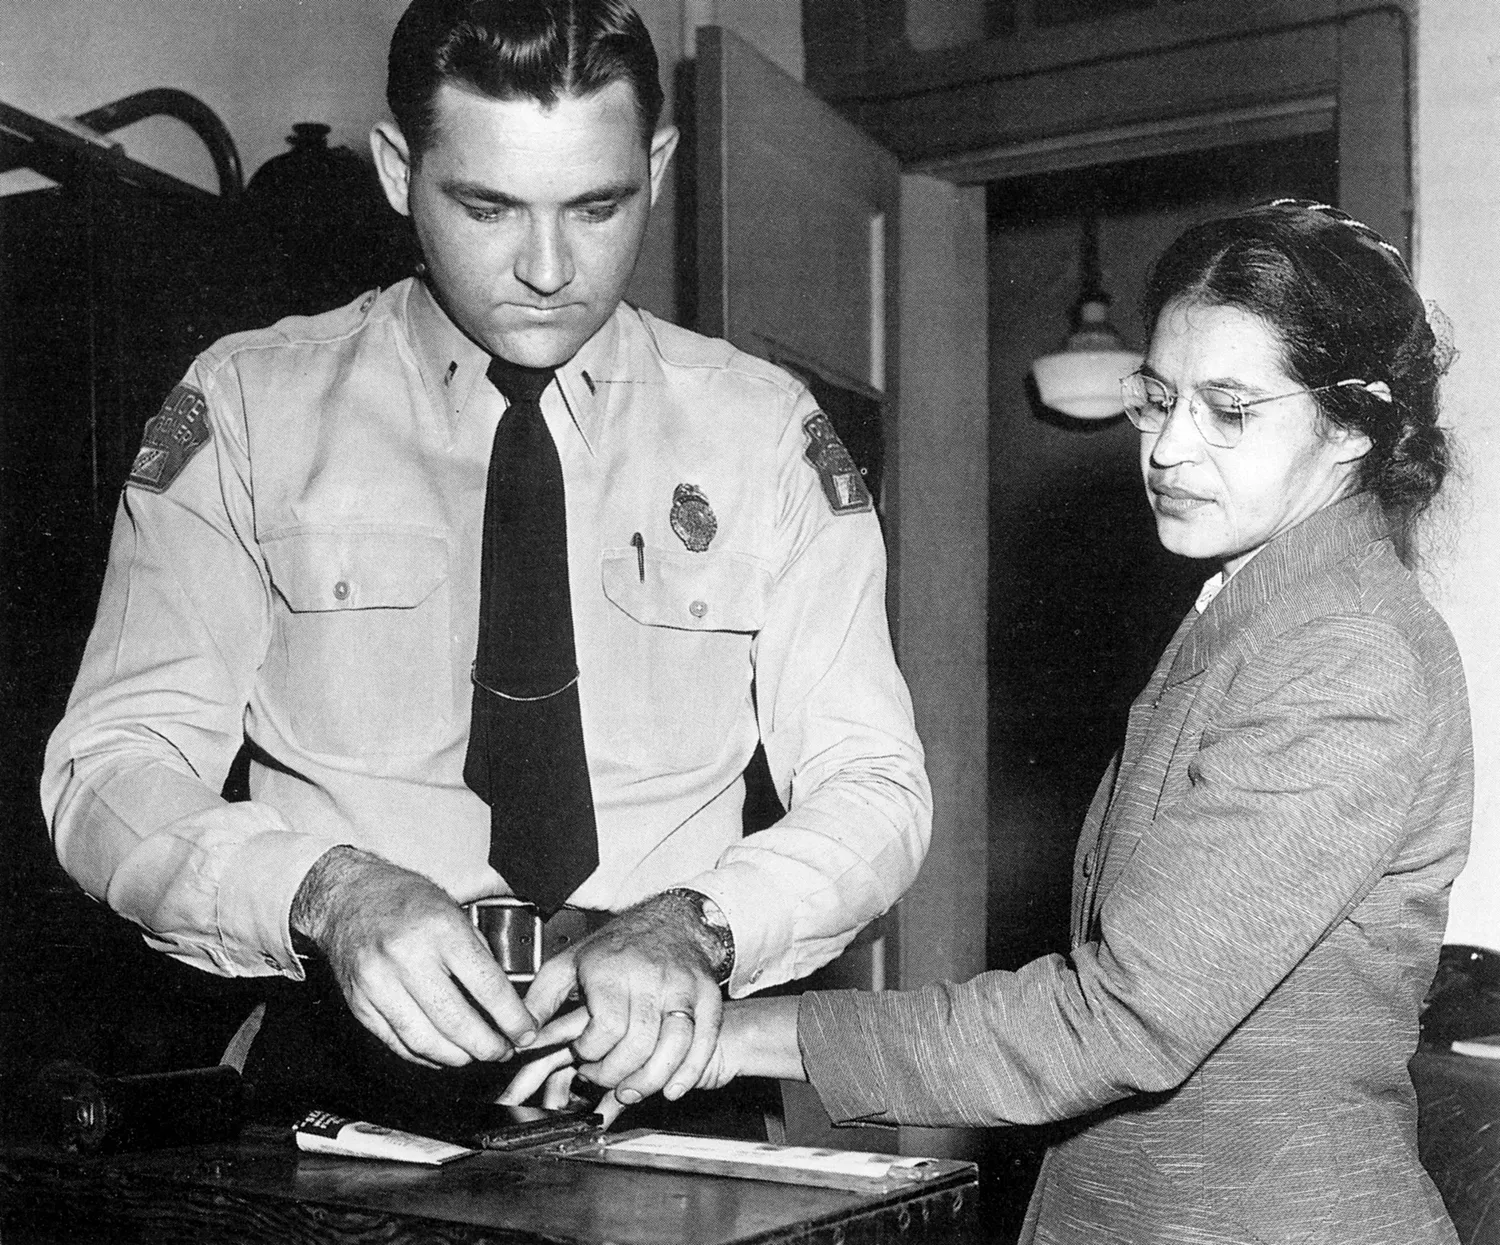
column 1259, row 895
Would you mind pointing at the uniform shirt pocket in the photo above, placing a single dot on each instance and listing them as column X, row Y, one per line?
column 687, row 591
column 680, row 647
column 360, row 663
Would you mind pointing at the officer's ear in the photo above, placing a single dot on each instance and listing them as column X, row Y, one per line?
column 663, row 144
column 393, row 164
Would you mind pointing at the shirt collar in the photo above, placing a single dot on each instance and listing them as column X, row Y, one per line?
column 1212, row 586
column 586, row 379
column 1216, row 584
column 451, row 363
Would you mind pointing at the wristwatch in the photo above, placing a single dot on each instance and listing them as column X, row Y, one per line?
column 716, row 925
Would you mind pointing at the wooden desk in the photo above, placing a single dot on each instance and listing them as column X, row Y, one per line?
column 1458, row 1100
column 262, row 1189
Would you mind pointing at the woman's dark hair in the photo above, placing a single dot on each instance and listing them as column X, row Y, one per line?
column 1341, row 300
column 517, row 49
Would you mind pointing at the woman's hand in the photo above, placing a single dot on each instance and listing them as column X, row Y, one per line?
column 758, row 1037
column 551, row 1072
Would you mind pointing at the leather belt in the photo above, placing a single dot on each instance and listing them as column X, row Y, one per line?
column 521, row 941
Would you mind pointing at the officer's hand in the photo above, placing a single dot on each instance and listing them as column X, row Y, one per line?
column 652, row 1002
column 412, row 968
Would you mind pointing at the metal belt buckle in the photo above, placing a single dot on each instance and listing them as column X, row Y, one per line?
column 512, row 929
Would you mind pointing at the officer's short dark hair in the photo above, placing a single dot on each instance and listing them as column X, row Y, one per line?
column 517, row 49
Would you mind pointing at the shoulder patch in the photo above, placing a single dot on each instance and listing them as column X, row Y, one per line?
column 173, row 435
column 842, row 483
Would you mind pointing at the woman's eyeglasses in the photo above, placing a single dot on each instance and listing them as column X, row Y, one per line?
column 1218, row 414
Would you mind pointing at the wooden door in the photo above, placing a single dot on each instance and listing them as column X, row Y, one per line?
column 796, row 263
column 796, row 245
column 796, row 228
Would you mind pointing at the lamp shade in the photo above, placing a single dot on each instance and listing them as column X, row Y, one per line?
column 1083, row 378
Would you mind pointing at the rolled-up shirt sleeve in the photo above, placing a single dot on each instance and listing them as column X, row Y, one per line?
column 836, row 721
column 133, row 772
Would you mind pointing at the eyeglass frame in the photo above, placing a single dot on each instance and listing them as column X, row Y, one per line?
column 1239, row 403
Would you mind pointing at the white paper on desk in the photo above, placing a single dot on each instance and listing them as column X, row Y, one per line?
column 765, row 1154
column 322, row 1132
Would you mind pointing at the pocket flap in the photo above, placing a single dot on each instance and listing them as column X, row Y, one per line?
column 688, row 591
column 340, row 569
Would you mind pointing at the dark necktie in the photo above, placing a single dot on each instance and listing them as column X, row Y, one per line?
column 526, row 757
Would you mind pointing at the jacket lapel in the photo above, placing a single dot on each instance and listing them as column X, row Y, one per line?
column 1156, row 722
column 1117, row 816
column 1160, row 717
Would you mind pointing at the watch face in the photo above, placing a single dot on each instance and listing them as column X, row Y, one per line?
column 712, row 918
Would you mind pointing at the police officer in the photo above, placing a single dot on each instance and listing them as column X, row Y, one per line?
column 501, row 581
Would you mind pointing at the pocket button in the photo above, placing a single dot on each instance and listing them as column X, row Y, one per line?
column 341, row 590
column 698, row 609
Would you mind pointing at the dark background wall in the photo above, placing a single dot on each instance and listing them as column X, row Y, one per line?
column 1082, row 596
column 107, row 292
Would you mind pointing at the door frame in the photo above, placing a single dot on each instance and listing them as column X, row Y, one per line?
column 1179, row 78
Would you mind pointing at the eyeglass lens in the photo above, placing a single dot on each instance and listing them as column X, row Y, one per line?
column 1217, row 413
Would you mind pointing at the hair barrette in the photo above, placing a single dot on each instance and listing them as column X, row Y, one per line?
column 1376, row 388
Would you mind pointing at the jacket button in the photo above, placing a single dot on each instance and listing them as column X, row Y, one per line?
column 698, row 608
column 1088, row 864
column 341, row 590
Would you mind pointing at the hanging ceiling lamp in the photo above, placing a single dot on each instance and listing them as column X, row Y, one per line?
column 1083, row 378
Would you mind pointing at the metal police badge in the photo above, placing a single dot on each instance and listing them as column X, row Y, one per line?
column 843, row 484
column 173, row 435
column 692, row 518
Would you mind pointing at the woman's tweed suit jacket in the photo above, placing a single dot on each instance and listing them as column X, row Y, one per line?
column 1260, row 892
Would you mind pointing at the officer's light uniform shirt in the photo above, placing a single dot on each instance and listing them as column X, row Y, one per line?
column 309, row 580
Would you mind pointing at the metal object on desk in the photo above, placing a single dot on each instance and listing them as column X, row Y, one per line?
column 107, row 1115
column 496, row 1125
column 524, row 1128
